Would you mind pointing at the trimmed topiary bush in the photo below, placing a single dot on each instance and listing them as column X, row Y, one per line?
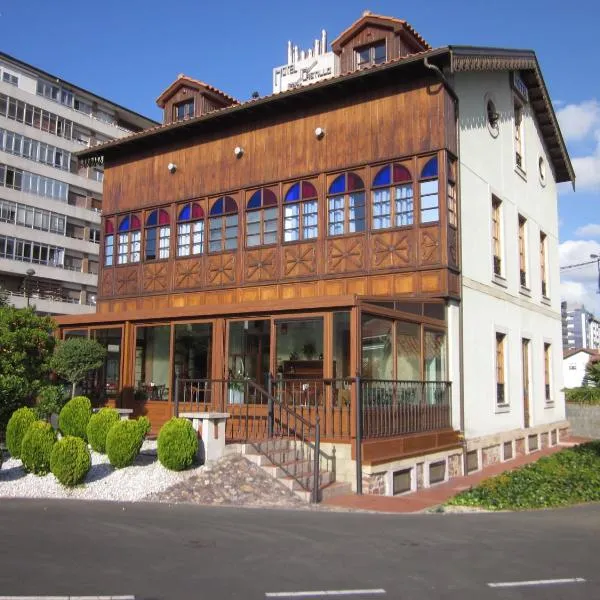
column 70, row 460
column 98, row 427
column 123, row 443
column 144, row 425
column 17, row 427
column 74, row 417
column 37, row 446
column 177, row 444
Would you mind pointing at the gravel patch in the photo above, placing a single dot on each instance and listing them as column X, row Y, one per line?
column 103, row 482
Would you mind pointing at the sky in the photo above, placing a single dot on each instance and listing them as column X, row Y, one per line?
column 129, row 51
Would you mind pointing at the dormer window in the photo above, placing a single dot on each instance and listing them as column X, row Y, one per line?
column 374, row 54
column 183, row 110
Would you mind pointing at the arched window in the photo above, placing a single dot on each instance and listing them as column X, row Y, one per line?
column 430, row 201
column 261, row 218
column 190, row 230
column 130, row 240
column 223, row 225
column 158, row 235
column 109, row 243
column 300, row 212
column 392, row 197
column 346, row 204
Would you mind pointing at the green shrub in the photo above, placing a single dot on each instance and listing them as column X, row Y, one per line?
column 37, row 446
column 583, row 395
column 50, row 401
column 177, row 444
column 144, row 425
column 123, row 443
column 98, row 427
column 570, row 476
column 74, row 417
column 17, row 427
column 70, row 460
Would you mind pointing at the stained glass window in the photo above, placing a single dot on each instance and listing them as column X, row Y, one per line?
column 223, row 225
column 158, row 235
column 190, row 230
column 261, row 218
column 300, row 212
column 393, row 204
column 346, row 205
column 129, row 240
column 430, row 202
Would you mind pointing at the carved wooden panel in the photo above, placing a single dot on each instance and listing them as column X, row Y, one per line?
column 299, row 260
column 345, row 255
column 430, row 245
column 452, row 247
column 392, row 249
column 106, row 282
column 261, row 265
column 221, row 269
column 155, row 277
column 189, row 273
column 126, row 280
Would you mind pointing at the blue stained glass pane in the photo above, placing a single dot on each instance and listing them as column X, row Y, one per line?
column 185, row 213
column 383, row 177
column 293, row 193
column 254, row 201
column 152, row 218
column 217, row 208
column 338, row 186
column 430, row 169
column 124, row 225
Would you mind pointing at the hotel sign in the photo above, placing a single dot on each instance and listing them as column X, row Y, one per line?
column 303, row 72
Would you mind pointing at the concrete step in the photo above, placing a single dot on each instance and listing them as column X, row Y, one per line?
column 293, row 484
column 327, row 491
column 287, row 468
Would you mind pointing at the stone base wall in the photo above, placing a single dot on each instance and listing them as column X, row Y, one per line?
column 584, row 419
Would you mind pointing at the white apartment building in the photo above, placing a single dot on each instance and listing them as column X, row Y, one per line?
column 50, row 205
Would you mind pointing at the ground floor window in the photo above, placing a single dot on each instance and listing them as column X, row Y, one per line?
column 152, row 362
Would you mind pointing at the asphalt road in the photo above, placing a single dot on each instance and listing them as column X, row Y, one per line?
column 158, row 551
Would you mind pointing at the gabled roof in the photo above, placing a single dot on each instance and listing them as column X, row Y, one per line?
column 369, row 18
column 184, row 80
column 574, row 351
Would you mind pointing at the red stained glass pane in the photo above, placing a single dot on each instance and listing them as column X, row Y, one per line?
column 401, row 174
column 163, row 217
column 197, row 212
column 135, row 222
column 308, row 190
column 109, row 227
column 269, row 198
column 230, row 205
column 355, row 182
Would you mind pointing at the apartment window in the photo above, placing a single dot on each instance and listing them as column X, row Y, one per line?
column 543, row 267
column 547, row 372
column 523, row 251
column 20, row 145
column 518, row 134
column 430, row 201
column 94, row 235
column 82, row 106
column 130, row 240
column 109, row 243
column 10, row 78
column 158, row 235
column 300, row 216
column 373, row 54
column 452, row 206
column 184, row 110
column 223, row 225
column 497, row 236
column 33, row 184
column 190, row 230
column 393, row 198
column 261, row 218
column 346, row 204
column 31, row 252
column 500, row 369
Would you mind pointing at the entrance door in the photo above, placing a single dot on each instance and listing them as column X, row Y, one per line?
column 525, row 365
column 249, row 350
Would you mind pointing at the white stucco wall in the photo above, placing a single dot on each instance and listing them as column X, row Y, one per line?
column 574, row 369
column 490, row 305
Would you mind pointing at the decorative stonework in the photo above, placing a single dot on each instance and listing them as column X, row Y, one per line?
column 420, row 476
column 374, row 483
column 455, row 465
column 188, row 273
column 126, row 280
column 430, row 246
column 106, row 284
column 345, row 255
column 299, row 260
column 261, row 265
column 520, row 447
column 155, row 277
column 221, row 269
column 490, row 456
column 391, row 250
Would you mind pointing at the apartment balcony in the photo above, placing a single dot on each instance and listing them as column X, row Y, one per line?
column 54, row 273
column 50, row 305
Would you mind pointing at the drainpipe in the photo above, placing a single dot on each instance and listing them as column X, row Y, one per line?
column 448, row 87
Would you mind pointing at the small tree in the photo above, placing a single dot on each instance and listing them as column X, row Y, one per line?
column 592, row 374
column 73, row 359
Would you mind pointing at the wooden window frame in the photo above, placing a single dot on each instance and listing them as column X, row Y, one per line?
column 128, row 239
column 451, row 200
column 500, row 367
column 523, row 271
column 518, row 134
column 543, row 265
column 183, row 104
column 223, row 228
column 262, row 221
column 547, row 373
column 392, row 189
column 371, row 48
column 497, row 262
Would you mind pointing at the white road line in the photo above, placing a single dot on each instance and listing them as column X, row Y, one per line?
column 505, row 584
column 322, row 593
column 67, row 597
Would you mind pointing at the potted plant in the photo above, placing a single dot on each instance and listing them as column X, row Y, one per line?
column 309, row 350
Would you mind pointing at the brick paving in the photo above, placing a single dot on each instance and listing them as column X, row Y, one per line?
column 428, row 498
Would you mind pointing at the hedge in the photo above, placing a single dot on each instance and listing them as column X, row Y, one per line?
column 37, row 446
column 177, row 444
column 17, row 427
column 124, row 441
column 70, row 460
column 74, row 417
column 583, row 395
column 98, row 427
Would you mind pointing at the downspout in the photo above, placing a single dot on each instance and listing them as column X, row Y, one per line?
column 448, row 87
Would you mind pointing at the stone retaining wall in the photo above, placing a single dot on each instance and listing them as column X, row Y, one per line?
column 584, row 419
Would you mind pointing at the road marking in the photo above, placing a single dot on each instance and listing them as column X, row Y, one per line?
column 536, row 582
column 67, row 597
column 318, row 594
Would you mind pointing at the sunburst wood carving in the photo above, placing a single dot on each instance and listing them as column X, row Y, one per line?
column 392, row 249
column 430, row 247
column 299, row 260
column 126, row 280
column 221, row 269
column 345, row 255
column 188, row 273
column 155, row 277
column 261, row 265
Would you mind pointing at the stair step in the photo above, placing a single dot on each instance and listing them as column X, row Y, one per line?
column 293, row 484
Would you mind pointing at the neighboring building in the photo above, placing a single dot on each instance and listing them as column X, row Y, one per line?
column 50, row 205
column 580, row 328
column 384, row 241
column 574, row 364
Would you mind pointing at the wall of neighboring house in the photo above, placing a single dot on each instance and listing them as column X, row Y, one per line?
column 500, row 304
column 574, row 369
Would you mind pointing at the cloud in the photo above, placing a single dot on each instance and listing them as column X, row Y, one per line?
column 591, row 230
column 579, row 285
